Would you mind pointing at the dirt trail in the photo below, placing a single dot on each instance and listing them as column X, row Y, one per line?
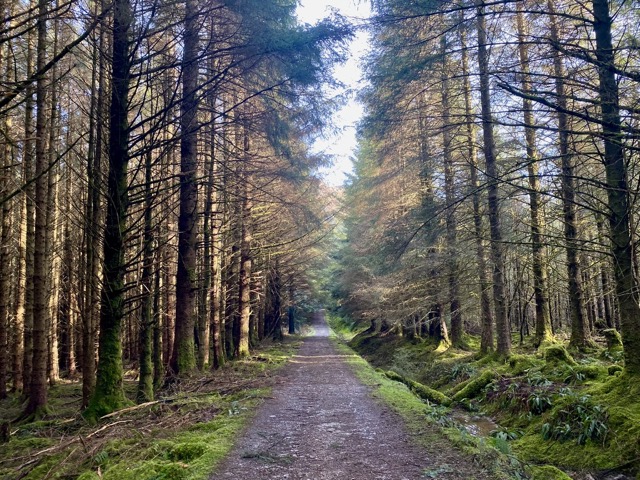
column 321, row 423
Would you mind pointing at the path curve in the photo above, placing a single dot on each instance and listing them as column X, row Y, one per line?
column 322, row 424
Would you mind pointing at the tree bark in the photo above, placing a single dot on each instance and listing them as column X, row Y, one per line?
column 497, row 254
column 617, row 189
column 146, row 335
column 487, row 336
column 108, row 395
column 457, row 327
column 539, row 260
column 183, row 360
column 38, row 389
column 579, row 331
column 244, row 290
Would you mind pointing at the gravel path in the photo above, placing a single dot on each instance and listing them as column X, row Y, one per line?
column 321, row 424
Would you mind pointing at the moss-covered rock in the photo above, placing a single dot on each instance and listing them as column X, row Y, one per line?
column 548, row 472
column 424, row 392
column 613, row 338
column 591, row 372
column 555, row 354
column 474, row 387
column 519, row 364
column 613, row 369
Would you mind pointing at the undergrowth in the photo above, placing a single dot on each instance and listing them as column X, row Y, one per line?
column 555, row 407
column 182, row 436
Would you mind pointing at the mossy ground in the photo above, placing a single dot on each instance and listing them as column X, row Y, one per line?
column 182, row 437
column 555, row 407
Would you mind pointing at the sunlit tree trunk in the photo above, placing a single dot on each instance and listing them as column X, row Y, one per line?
column 29, row 174
column 244, row 277
column 487, row 340
column 145, row 379
column 497, row 254
column 457, row 327
column 541, row 294
column 38, row 389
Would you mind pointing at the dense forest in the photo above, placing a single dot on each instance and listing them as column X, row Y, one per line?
column 159, row 204
column 162, row 214
column 490, row 243
column 496, row 180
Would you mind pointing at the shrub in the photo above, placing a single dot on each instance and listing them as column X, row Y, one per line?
column 580, row 420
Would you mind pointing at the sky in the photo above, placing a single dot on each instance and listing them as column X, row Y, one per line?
column 343, row 144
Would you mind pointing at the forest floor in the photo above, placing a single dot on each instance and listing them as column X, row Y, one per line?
column 557, row 412
column 322, row 422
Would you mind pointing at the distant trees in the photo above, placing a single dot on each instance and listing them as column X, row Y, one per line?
column 155, row 177
column 553, row 87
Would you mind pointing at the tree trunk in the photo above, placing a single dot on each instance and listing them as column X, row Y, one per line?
column 5, row 266
column 487, row 340
column 244, row 290
column 457, row 327
column 291, row 313
column 38, row 388
column 183, row 360
column 91, row 302
column 617, row 189
column 579, row 332
column 145, row 380
column 539, row 267
column 108, row 395
column 29, row 174
column 497, row 255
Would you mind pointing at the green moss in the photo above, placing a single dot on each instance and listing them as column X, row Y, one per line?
column 459, row 386
column 187, row 451
column 46, row 466
column 152, row 470
column 613, row 338
column 548, row 472
column 422, row 391
column 474, row 387
column 592, row 372
column 555, row 354
column 89, row 476
column 613, row 369
column 519, row 364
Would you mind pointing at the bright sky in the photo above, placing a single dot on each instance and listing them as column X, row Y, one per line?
column 342, row 145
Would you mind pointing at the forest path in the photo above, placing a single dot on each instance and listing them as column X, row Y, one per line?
column 321, row 423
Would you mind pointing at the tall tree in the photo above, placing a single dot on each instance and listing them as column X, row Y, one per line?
column 109, row 395
column 490, row 156
column 183, row 360
column 38, row 392
column 539, row 267
column 617, row 187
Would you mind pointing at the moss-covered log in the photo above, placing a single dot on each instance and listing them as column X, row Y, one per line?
column 475, row 386
column 424, row 392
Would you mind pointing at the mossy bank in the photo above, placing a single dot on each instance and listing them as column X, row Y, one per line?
column 557, row 410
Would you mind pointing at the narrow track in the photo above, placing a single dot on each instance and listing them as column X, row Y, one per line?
column 322, row 423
